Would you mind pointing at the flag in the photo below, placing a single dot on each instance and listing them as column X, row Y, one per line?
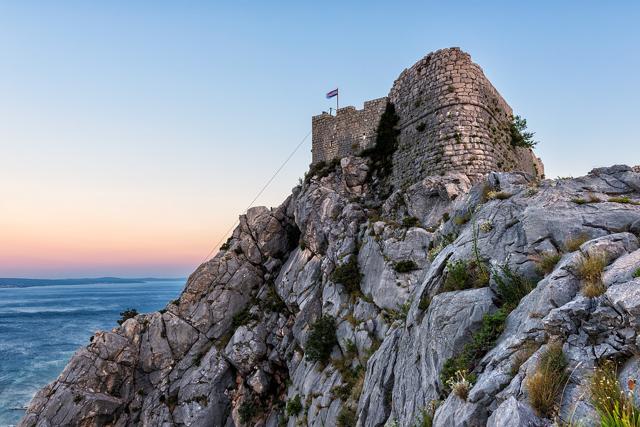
column 332, row 93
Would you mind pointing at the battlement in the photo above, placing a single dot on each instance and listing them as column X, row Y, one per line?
column 452, row 119
column 348, row 132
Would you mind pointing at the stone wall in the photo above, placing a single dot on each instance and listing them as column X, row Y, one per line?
column 348, row 132
column 451, row 120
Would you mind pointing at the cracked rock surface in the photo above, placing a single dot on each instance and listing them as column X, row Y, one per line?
column 232, row 349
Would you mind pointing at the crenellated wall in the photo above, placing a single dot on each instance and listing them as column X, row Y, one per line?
column 452, row 119
column 348, row 132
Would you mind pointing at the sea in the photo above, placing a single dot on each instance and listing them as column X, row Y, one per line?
column 41, row 327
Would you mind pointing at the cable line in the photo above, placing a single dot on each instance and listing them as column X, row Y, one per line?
column 217, row 245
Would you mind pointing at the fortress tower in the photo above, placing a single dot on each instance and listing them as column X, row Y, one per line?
column 452, row 119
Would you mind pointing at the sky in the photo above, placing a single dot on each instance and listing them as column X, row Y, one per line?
column 133, row 134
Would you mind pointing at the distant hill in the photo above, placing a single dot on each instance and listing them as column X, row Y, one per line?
column 25, row 283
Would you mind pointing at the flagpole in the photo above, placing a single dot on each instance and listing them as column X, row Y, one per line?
column 337, row 98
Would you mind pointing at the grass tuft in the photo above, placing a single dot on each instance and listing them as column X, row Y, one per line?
column 547, row 262
column 546, row 383
column 460, row 384
column 498, row 195
column 590, row 269
column 512, row 287
column 573, row 244
column 410, row 221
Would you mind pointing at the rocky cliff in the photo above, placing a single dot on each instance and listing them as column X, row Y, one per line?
column 436, row 306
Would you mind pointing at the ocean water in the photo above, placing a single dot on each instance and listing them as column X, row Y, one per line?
column 42, row 326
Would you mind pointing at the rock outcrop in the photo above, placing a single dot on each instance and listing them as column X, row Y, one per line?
column 234, row 348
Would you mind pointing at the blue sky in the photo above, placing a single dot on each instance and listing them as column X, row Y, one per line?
column 134, row 133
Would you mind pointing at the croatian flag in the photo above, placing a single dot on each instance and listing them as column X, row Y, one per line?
column 332, row 93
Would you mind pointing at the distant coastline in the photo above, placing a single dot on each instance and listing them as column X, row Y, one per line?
column 26, row 283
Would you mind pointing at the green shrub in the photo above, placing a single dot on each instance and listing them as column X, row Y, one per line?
column 636, row 273
column 445, row 217
column 410, row 221
column 129, row 313
column 546, row 383
column 247, row 411
column 579, row 201
column 424, row 303
column 421, row 127
column 321, row 169
column 347, row 417
column 547, row 262
column 242, row 318
column 512, row 287
column 272, row 301
column 351, row 347
column 622, row 199
column 405, row 266
column 321, row 339
column 520, row 137
column 427, row 414
column 348, row 275
column 483, row 340
column 352, row 382
column 294, row 406
column 463, row 274
column 457, row 276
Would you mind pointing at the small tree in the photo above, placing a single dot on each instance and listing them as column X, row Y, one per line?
column 520, row 137
column 129, row 313
column 321, row 339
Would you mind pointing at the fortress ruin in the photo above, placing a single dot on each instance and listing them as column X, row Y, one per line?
column 452, row 119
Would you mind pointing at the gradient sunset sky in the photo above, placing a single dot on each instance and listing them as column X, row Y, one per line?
column 134, row 133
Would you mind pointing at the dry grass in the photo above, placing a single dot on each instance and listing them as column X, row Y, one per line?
column 498, row 195
column 547, row 262
column 522, row 356
column 574, row 243
column 460, row 384
column 590, row 269
column 545, row 385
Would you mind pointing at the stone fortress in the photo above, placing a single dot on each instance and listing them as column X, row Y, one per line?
column 452, row 119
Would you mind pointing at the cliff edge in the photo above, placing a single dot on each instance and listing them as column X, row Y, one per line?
column 444, row 302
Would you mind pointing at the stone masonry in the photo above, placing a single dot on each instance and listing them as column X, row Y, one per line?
column 348, row 132
column 452, row 119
